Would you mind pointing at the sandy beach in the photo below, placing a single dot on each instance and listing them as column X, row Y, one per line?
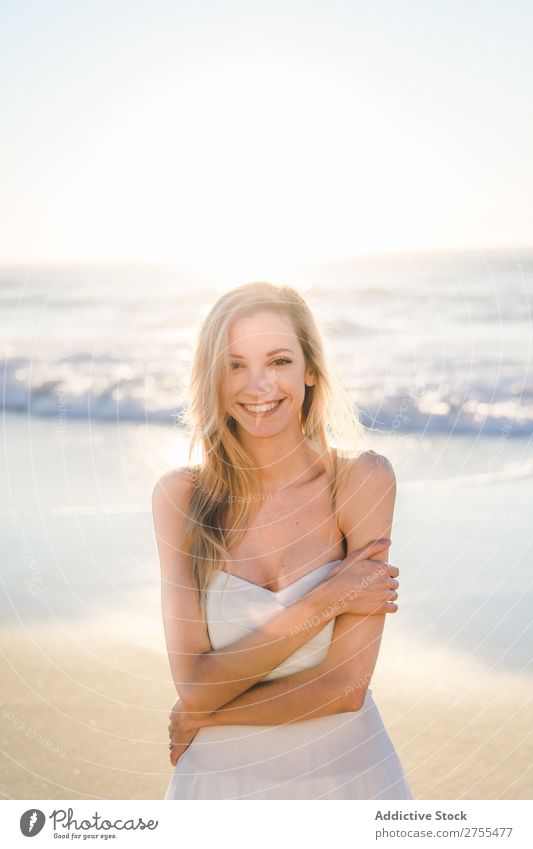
column 87, row 719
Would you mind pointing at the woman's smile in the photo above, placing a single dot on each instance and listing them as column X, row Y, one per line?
column 268, row 408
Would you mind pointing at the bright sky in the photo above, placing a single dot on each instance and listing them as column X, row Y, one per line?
column 239, row 133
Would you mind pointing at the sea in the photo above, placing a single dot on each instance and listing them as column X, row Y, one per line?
column 431, row 342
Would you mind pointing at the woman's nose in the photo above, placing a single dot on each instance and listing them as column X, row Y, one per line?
column 259, row 384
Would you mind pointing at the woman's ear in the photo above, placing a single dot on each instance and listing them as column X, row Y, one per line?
column 310, row 378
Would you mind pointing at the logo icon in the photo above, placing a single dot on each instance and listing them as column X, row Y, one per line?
column 31, row 822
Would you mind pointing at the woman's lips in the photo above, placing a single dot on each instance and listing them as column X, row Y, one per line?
column 262, row 413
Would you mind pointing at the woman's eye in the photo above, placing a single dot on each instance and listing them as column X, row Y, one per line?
column 280, row 361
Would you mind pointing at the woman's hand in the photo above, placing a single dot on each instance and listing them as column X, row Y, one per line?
column 366, row 587
column 182, row 730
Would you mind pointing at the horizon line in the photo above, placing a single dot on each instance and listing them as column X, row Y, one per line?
column 332, row 258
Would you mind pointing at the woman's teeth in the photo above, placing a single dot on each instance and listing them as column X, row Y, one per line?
column 262, row 408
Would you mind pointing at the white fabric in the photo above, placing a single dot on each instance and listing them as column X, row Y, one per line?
column 342, row 756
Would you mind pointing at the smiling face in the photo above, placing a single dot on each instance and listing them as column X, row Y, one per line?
column 267, row 373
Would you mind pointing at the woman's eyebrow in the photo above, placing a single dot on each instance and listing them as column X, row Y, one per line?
column 269, row 354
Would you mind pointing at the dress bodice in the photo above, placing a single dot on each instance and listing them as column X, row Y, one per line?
column 235, row 607
column 345, row 755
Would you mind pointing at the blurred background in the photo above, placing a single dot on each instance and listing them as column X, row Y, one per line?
column 376, row 155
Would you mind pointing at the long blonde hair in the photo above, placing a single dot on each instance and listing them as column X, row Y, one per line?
column 221, row 495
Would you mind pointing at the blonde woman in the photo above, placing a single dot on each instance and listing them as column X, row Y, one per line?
column 275, row 580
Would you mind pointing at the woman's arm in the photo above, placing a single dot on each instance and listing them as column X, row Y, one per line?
column 292, row 698
column 365, row 510
column 206, row 679
column 339, row 683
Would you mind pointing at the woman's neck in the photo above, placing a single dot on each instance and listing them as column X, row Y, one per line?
column 280, row 464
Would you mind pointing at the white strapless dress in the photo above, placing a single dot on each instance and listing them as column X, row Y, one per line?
column 342, row 756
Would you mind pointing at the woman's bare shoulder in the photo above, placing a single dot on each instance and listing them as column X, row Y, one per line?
column 176, row 484
column 366, row 499
column 365, row 467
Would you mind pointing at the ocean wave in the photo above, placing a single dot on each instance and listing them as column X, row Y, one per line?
column 84, row 387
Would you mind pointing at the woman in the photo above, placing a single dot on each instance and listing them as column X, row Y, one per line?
column 275, row 584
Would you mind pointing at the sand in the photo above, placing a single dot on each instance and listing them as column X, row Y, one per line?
column 84, row 717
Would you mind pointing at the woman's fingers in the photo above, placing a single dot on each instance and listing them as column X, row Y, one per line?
column 386, row 570
column 383, row 567
column 176, row 754
column 376, row 564
column 180, row 738
column 177, row 750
